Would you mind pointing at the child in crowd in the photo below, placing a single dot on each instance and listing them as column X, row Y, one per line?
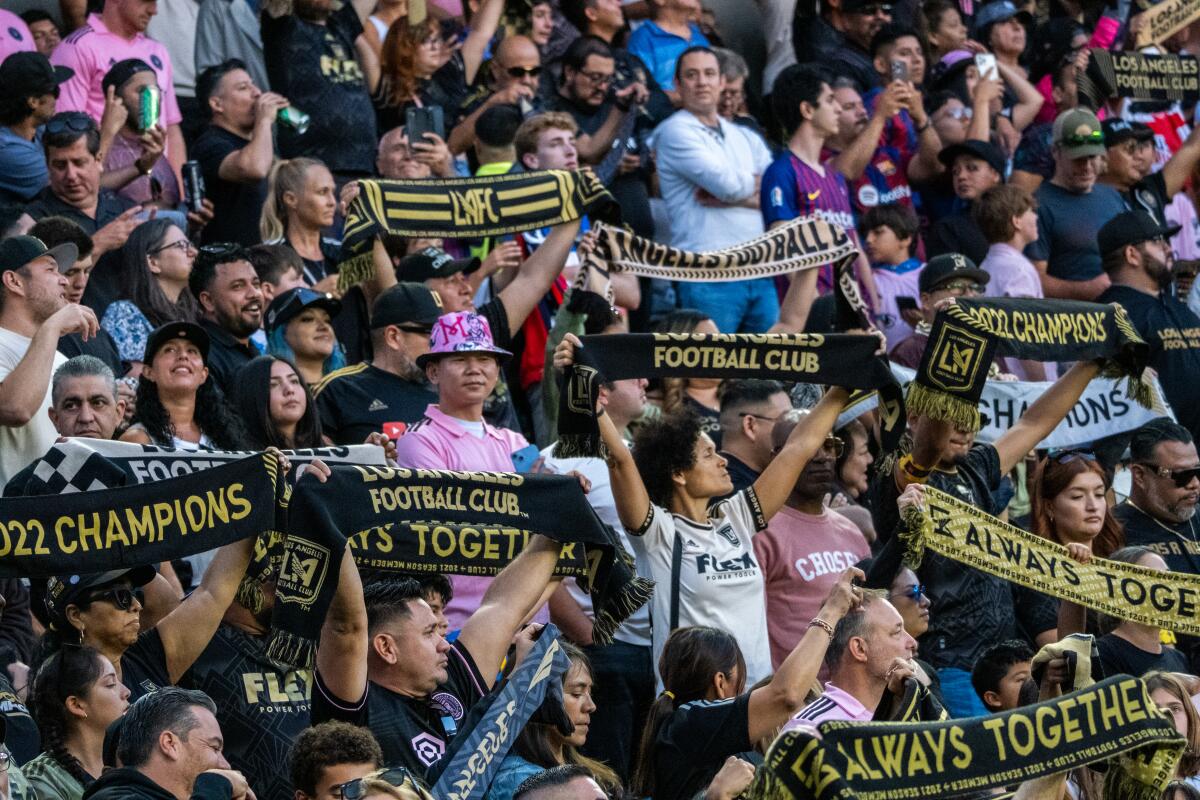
column 890, row 233
column 1003, row 676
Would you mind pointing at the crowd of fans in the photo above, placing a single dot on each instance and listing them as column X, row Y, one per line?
column 174, row 177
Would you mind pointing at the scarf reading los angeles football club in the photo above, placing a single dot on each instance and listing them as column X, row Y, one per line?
column 462, row 523
column 464, row 208
column 967, row 334
column 111, row 529
column 1140, row 75
column 962, row 532
column 1114, row 721
column 839, row 359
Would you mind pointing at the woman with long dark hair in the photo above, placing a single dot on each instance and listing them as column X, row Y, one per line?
column 540, row 746
column 155, row 264
column 178, row 405
column 76, row 695
column 705, row 715
column 276, row 405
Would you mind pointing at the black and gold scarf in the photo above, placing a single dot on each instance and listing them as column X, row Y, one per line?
column 463, row 208
column 969, row 333
column 839, row 359
column 462, row 523
column 1114, row 721
column 1140, row 75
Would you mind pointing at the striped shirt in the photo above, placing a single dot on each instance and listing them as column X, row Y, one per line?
column 834, row 704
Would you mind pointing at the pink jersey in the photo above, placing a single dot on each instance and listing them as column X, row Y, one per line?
column 14, row 35
column 833, row 704
column 92, row 50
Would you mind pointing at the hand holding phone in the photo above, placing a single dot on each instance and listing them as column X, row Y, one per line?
column 985, row 63
column 899, row 70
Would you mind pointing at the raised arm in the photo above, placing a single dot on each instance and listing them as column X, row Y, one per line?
column 1045, row 414
column 537, row 274
column 776, row 482
column 342, row 651
column 778, row 701
column 483, row 28
column 1176, row 171
column 1029, row 99
column 852, row 161
column 506, row 604
column 793, row 311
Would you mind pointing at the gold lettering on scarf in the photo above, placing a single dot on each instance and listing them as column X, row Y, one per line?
column 474, row 206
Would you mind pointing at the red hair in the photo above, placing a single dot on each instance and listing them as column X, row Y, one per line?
column 1051, row 479
column 398, row 58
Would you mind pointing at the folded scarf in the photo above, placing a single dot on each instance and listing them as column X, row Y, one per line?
column 465, row 208
column 838, row 359
column 464, row 523
column 1114, row 721
column 969, row 333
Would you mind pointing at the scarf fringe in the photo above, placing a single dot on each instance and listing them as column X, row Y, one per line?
column 250, row 595
column 291, row 649
column 619, row 608
column 580, row 445
column 941, row 405
column 914, row 530
column 356, row 269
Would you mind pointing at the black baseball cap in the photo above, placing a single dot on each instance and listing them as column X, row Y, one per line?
column 948, row 267
column 287, row 305
column 1118, row 131
column 177, row 330
column 411, row 304
column 433, row 262
column 120, row 73
column 1132, row 227
column 64, row 590
column 976, row 148
column 17, row 251
column 30, row 74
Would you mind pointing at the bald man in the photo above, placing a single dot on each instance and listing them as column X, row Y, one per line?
column 516, row 69
column 400, row 159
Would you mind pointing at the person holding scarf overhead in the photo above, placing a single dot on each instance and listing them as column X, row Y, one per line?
column 663, row 491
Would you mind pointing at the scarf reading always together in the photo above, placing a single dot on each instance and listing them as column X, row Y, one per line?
column 466, row 208
column 1114, row 721
column 962, row 532
column 465, row 523
column 110, row 529
column 969, row 333
column 838, row 359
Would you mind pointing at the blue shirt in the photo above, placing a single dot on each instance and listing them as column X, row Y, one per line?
column 660, row 49
column 23, row 171
column 1068, row 224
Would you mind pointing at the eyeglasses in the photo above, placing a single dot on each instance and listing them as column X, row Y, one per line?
column 183, row 244
column 1067, row 456
column 874, row 9
column 913, row 592
column 396, row 776
column 524, row 72
column 1075, row 139
column 597, row 78
column 962, row 287
column 74, row 121
column 1181, row 477
column 120, row 597
column 960, row 113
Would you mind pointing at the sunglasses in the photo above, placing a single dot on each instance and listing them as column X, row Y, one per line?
column 524, row 72
column 913, row 592
column 1067, row 456
column 119, row 597
column 74, row 121
column 355, row 789
column 962, row 287
column 1075, row 139
column 1181, row 477
column 874, row 9
column 423, row 330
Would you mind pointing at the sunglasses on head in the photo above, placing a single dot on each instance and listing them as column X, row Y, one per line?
column 74, row 121
column 524, row 72
column 220, row 249
column 119, row 596
column 1067, row 456
column 1181, row 477
column 913, row 592
column 355, row 789
column 1075, row 139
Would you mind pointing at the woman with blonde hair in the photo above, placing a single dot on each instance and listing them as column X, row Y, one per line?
column 301, row 202
column 395, row 783
column 1171, row 696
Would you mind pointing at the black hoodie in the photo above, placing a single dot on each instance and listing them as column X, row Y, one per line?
column 127, row 782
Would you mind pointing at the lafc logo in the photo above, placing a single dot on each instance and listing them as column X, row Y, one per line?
column 302, row 573
column 474, row 206
column 958, row 355
column 579, row 391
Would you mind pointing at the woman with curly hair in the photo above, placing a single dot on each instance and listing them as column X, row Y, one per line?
column 155, row 264
column 177, row 404
column 76, row 695
column 701, row 557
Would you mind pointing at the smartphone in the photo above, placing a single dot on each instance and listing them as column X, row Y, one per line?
column 899, row 71
column 906, row 303
column 524, row 459
column 985, row 63
column 420, row 121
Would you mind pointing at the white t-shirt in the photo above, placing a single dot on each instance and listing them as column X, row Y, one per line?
column 20, row 447
column 720, row 583
column 636, row 629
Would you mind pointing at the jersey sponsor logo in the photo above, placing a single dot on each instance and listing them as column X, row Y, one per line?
column 449, row 703
column 270, row 690
column 726, row 532
column 868, row 195
column 843, row 219
column 824, row 562
column 377, row 405
column 428, row 748
column 707, row 564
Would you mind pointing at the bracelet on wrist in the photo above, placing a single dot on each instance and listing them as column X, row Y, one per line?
column 817, row 622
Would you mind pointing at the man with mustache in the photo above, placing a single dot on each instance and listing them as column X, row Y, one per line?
column 84, row 399
column 231, row 300
column 1137, row 258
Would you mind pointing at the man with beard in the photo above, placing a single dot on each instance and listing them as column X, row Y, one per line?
column 309, row 52
column 1137, row 258
column 806, row 547
column 84, row 399
column 585, row 94
column 229, row 292
column 840, row 38
column 1071, row 209
column 34, row 314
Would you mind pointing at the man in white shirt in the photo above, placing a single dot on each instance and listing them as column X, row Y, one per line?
column 34, row 314
column 709, row 171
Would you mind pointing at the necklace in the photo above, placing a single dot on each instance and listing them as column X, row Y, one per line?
column 1165, row 527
